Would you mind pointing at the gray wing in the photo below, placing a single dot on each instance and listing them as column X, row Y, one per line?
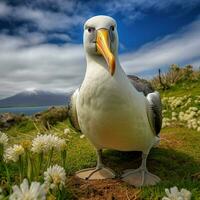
column 72, row 110
column 154, row 107
column 155, row 111
column 141, row 85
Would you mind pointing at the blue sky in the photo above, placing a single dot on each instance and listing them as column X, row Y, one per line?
column 41, row 40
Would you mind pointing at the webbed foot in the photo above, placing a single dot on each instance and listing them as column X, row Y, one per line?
column 140, row 177
column 96, row 173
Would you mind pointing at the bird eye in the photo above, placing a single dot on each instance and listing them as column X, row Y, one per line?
column 112, row 28
column 91, row 29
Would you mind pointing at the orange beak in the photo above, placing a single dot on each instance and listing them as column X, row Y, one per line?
column 103, row 48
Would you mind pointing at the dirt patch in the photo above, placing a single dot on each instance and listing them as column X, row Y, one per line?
column 111, row 189
column 169, row 140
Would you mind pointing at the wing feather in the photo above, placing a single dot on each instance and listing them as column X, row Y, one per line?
column 154, row 106
column 72, row 110
column 155, row 115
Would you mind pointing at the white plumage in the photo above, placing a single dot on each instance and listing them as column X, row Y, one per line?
column 108, row 109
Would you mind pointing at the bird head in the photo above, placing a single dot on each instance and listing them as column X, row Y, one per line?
column 101, row 39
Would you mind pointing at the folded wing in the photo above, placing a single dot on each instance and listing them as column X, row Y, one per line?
column 154, row 106
column 72, row 110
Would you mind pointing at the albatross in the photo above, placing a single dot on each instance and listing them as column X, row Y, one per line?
column 112, row 110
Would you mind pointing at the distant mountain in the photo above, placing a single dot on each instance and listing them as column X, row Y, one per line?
column 35, row 98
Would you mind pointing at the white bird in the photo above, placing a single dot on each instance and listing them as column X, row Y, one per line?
column 112, row 111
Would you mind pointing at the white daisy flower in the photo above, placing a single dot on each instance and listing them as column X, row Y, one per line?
column 82, row 136
column 3, row 139
column 66, row 131
column 55, row 176
column 23, row 192
column 39, row 144
column 44, row 143
column 61, row 145
column 54, row 142
column 13, row 153
column 174, row 114
column 174, row 194
column 174, row 119
column 1, row 194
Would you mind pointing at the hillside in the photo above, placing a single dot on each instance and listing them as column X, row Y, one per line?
column 181, row 101
column 35, row 98
column 176, row 160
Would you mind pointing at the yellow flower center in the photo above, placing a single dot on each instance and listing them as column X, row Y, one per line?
column 56, row 179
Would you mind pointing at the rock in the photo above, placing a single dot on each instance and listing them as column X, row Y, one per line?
column 8, row 119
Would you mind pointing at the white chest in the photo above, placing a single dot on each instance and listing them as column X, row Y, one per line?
column 112, row 116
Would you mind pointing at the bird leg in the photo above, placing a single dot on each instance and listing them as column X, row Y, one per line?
column 99, row 172
column 140, row 177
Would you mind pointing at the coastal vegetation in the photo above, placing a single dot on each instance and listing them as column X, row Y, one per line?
column 44, row 151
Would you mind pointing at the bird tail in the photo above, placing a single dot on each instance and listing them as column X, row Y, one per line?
column 157, row 141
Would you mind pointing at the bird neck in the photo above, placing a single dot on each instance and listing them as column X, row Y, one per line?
column 96, row 63
column 97, row 69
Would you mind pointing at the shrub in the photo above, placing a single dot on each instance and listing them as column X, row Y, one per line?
column 176, row 74
column 53, row 115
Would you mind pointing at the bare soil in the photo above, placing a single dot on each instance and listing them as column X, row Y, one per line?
column 111, row 189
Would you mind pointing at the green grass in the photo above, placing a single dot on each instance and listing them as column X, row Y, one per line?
column 175, row 160
column 174, row 163
column 24, row 130
column 183, row 88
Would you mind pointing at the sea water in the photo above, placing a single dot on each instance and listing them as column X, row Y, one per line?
column 24, row 110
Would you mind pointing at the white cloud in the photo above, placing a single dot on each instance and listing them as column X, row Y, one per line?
column 4, row 9
column 64, row 14
column 67, row 6
column 45, row 20
column 26, row 62
column 196, row 63
column 125, row 6
column 53, row 67
column 134, row 10
column 182, row 47
column 44, row 66
column 60, row 36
